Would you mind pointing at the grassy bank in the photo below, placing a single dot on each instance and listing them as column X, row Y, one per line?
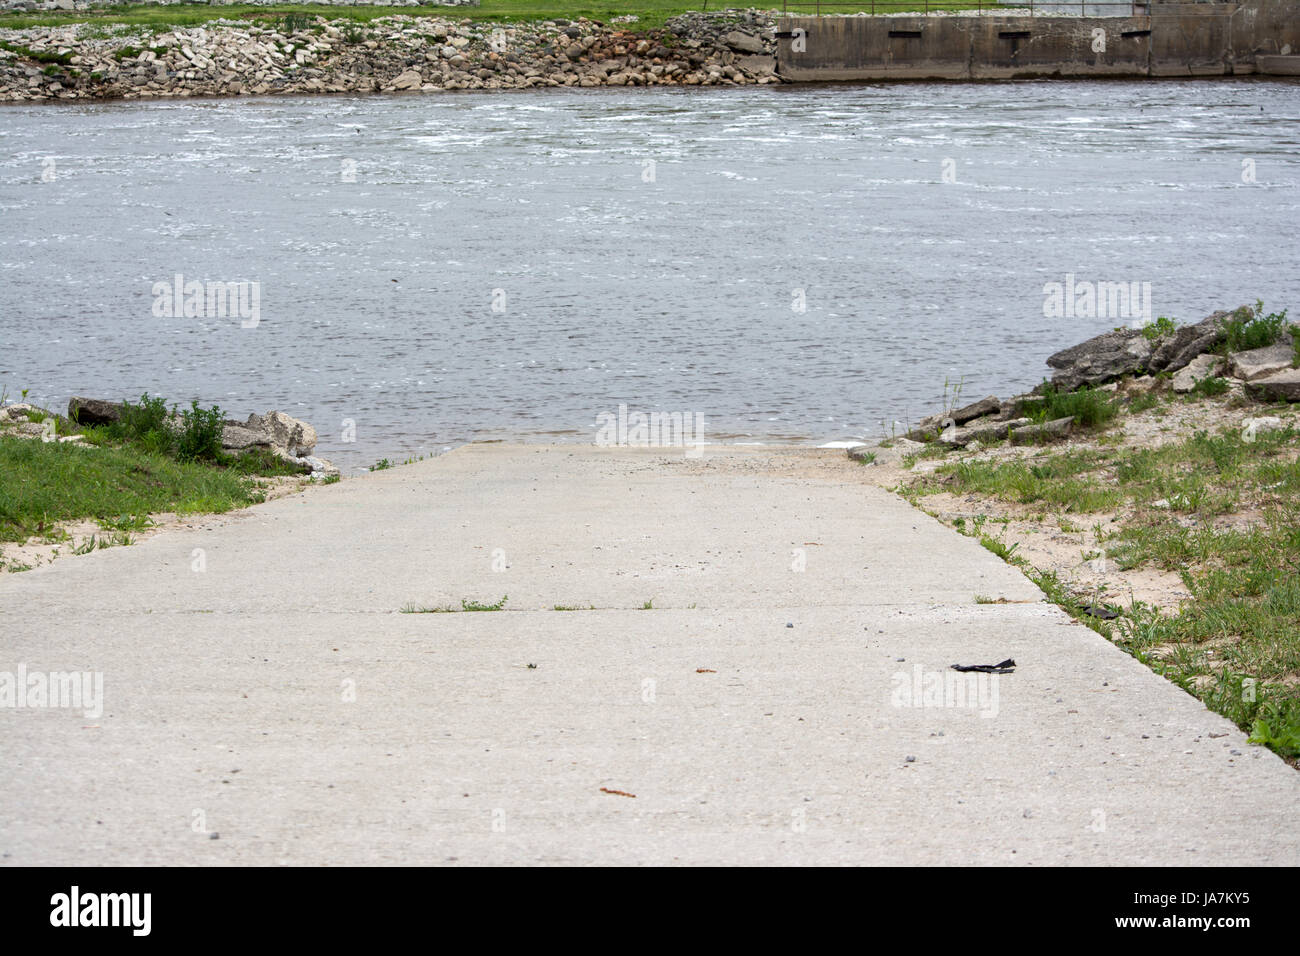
column 117, row 475
column 1171, row 526
column 651, row 14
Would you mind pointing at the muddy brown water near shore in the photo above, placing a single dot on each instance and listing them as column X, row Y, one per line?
column 436, row 269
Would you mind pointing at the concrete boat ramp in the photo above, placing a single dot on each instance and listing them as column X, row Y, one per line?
column 758, row 672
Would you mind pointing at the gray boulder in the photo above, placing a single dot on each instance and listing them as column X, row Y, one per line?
column 276, row 431
column 1200, row 368
column 1281, row 386
column 743, row 42
column 1058, row 428
column 929, row 427
column 1175, row 351
column 93, row 411
column 1100, row 359
column 983, row 431
column 985, row 406
column 1259, row 363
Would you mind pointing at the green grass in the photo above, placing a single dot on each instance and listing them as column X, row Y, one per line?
column 465, row 605
column 1243, row 622
column 651, row 13
column 1051, row 481
column 42, row 483
column 1208, row 387
column 573, row 607
column 1088, row 408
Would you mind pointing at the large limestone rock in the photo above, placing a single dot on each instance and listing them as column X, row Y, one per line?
column 1057, row 428
column 1281, row 386
column 1100, row 359
column 1175, row 351
column 982, row 431
column 1200, row 368
column 273, row 430
column 1259, row 363
column 93, row 411
column 410, row 80
column 743, row 42
column 928, row 427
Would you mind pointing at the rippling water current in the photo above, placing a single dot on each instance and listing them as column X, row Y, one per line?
column 512, row 265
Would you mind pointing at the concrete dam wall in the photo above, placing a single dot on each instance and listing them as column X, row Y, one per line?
column 1175, row 39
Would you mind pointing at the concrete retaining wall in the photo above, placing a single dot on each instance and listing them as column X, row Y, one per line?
column 1191, row 39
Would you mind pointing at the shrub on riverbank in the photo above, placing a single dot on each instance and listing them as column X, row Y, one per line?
column 1250, row 328
column 149, row 460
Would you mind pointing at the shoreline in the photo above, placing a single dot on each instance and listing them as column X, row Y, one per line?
column 300, row 54
column 1149, row 491
column 1161, row 514
column 393, row 54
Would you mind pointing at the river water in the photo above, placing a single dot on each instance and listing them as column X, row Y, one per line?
column 790, row 264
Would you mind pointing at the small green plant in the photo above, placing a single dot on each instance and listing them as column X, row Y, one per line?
column 868, row 459
column 1295, row 345
column 382, row 465
column 412, row 608
column 143, row 421
column 648, row 605
column 1249, row 328
column 1277, row 730
column 1088, row 408
column 128, row 523
column 200, row 434
column 295, row 23
column 1003, row 550
column 1158, row 329
column 573, row 607
column 1208, row 387
column 1143, row 403
column 476, row 606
